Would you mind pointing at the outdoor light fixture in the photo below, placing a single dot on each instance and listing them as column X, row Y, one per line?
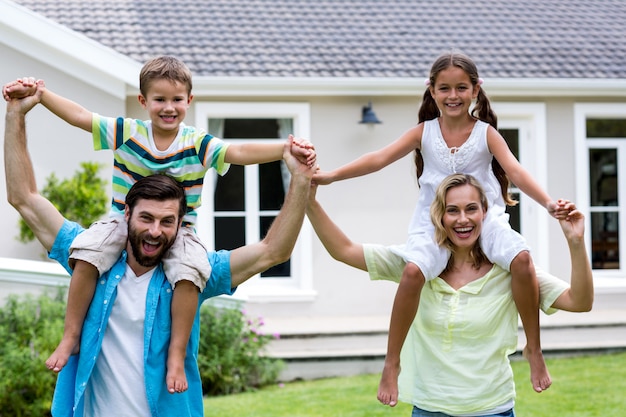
column 368, row 116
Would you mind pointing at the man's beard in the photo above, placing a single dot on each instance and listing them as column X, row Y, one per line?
column 136, row 241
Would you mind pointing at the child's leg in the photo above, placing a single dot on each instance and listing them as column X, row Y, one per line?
column 402, row 315
column 187, row 268
column 184, row 306
column 82, row 287
column 95, row 249
column 525, row 290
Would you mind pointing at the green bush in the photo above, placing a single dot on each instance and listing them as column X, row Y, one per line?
column 82, row 198
column 230, row 356
column 30, row 329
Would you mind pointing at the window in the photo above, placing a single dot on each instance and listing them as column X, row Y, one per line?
column 238, row 208
column 511, row 136
column 601, row 150
column 523, row 127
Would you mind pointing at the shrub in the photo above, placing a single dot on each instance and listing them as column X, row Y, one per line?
column 30, row 328
column 82, row 198
column 230, row 357
column 231, row 349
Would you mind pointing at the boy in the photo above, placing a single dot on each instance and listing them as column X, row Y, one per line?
column 162, row 144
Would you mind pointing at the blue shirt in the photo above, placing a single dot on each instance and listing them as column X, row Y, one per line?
column 72, row 380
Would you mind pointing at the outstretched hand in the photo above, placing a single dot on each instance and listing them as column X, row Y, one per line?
column 559, row 209
column 292, row 154
column 304, row 151
column 22, row 95
column 322, row 178
column 573, row 223
column 21, row 88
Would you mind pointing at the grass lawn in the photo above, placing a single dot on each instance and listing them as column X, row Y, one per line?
column 587, row 386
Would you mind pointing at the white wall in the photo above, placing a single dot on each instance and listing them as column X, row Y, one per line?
column 376, row 208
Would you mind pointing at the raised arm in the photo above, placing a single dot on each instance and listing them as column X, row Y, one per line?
column 40, row 215
column 579, row 297
column 250, row 153
column 374, row 161
column 68, row 110
column 278, row 243
column 338, row 245
column 518, row 175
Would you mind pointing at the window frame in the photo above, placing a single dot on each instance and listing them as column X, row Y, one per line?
column 299, row 286
column 530, row 120
column 583, row 111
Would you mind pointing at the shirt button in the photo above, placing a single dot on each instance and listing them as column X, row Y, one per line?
column 102, row 281
column 106, row 301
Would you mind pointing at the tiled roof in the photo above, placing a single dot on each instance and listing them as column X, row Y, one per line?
column 358, row 38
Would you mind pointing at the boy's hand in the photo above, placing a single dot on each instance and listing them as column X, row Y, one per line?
column 304, row 151
column 20, row 88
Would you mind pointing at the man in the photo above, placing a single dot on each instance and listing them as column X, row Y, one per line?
column 121, row 367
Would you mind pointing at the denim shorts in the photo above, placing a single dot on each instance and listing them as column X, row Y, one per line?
column 418, row 412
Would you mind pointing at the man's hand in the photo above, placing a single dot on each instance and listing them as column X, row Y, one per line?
column 20, row 88
column 30, row 97
column 292, row 155
column 303, row 150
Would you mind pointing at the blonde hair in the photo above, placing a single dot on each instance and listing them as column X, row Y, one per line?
column 164, row 68
column 438, row 209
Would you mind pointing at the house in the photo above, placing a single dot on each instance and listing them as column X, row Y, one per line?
column 555, row 72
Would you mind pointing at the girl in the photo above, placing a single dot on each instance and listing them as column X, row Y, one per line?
column 451, row 139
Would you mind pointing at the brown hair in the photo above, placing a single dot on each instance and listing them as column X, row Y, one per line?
column 482, row 111
column 438, row 209
column 157, row 187
column 167, row 68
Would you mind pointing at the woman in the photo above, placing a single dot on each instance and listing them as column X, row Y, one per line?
column 455, row 358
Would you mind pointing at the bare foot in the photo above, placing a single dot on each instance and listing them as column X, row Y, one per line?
column 388, row 387
column 539, row 375
column 176, row 379
column 61, row 354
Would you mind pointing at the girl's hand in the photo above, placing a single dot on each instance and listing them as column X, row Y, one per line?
column 322, row 178
column 561, row 209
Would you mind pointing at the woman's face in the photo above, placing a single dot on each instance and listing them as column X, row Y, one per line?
column 463, row 216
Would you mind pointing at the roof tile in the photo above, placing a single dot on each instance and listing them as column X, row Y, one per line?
column 358, row 38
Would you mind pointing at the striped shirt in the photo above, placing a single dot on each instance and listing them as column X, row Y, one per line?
column 192, row 153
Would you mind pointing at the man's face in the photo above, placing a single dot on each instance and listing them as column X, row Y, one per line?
column 152, row 229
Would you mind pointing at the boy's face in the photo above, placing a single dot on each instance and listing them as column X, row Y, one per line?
column 166, row 103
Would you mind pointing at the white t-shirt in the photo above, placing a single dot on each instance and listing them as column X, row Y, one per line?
column 117, row 387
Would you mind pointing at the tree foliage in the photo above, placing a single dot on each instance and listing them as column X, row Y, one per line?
column 81, row 198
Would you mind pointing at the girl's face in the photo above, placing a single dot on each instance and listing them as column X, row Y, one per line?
column 166, row 103
column 453, row 92
column 463, row 216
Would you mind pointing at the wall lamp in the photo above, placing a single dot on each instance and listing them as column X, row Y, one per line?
column 368, row 116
